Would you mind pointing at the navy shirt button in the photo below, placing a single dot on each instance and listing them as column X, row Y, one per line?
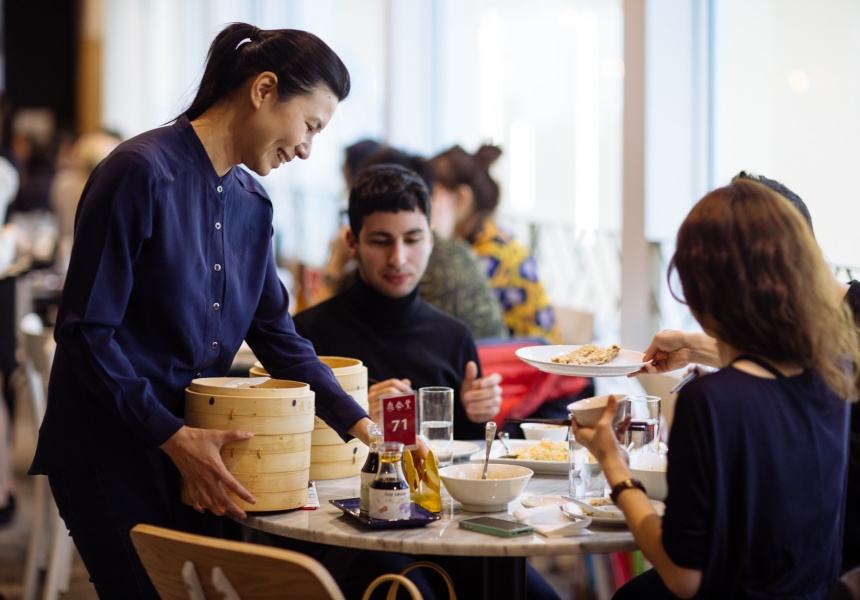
column 216, row 306
column 217, row 225
column 217, row 267
column 220, row 189
column 199, row 375
column 214, row 345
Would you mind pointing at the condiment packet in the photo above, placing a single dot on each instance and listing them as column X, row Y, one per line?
column 313, row 498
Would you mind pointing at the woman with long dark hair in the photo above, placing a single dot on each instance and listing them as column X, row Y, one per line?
column 172, row 267
column 757, row 461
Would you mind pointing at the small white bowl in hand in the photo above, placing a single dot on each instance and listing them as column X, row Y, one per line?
column 588, row 411
column 650, row 469
column 540, row 431
column 503, row 484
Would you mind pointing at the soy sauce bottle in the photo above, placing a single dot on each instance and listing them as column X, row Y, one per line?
column 389, row 493
column 371, row 466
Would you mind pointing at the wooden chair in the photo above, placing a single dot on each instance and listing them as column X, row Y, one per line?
column 184, row 565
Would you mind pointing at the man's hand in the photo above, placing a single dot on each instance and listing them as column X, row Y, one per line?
column 389, row 386
column 196, row 453
column 481, row 398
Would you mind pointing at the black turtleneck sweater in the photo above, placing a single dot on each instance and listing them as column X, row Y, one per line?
column 403, row 338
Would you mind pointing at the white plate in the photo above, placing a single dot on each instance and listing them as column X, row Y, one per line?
column 608, row 514
column 627, row 361
column 463, row 449
column 538, row 466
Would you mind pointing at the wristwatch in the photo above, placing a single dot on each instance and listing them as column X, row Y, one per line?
column 627, row 484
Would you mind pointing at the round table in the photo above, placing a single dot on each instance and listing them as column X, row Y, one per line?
column 505, row 558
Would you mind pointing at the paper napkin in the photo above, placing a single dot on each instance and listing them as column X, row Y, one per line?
column 549, row 521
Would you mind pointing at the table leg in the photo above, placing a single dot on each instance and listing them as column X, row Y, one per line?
column 505, row 577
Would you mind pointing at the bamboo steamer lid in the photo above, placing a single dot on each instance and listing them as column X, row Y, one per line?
column 274, row 465
column 350, row 373
column 254, row 387
column 262, row 416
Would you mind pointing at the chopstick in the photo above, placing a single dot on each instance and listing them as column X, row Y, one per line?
column 684, row 381
column 544, row 421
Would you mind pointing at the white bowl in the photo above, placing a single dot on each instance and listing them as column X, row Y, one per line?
column 539, row 431
column 503, row 484
column 589, row 410
column 650, row 469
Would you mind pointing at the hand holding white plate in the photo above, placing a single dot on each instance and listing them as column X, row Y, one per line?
column 540, row 357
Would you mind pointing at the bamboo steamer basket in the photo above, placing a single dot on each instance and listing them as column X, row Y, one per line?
column 331, row 457
column 274, row 465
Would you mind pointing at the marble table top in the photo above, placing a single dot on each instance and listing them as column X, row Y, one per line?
column 328, row 525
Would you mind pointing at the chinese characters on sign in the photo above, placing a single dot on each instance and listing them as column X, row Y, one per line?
column 399, row 419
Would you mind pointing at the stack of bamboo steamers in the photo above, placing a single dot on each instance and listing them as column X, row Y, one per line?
column 290, row 445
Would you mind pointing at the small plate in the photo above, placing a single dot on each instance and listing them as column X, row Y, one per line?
column 608, row 514
column 463, row 449
column 627, row 361
column 419, row 518
column 548, row 467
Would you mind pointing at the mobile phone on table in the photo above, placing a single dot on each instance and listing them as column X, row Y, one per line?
column 494, row 526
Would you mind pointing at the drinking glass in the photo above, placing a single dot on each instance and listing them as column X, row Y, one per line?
column 586, row 478
column 436, row 420
column 643, row 434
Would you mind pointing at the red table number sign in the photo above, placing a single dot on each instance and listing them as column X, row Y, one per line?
column 400, row 419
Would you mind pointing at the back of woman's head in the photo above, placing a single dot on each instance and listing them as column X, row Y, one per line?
column 455, row 167
column 753, row 275
column 301, row 61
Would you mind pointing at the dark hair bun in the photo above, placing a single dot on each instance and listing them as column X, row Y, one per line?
column 487, row 155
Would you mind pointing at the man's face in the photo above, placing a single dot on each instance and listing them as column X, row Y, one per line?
column 392, row 250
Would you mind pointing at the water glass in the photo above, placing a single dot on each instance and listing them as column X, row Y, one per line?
column 436, row 421
column 586, row 478
column 643, row 435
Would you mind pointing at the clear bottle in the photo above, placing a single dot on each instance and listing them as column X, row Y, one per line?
column 389, row 493
column 371, row 466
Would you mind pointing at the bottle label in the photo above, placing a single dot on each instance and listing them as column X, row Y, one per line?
column 364, row 498
column 389, row 504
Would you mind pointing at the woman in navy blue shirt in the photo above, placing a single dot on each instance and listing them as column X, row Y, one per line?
column 172, row 267
column 757, row 460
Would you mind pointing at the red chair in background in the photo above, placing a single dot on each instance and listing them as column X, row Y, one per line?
column 527, row 391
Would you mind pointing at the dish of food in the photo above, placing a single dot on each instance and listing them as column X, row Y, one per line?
column 541, row 357
column 602, row 511
column 528, row 453
column 589, row 354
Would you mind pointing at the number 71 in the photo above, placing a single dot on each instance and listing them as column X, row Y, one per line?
column 396, row 424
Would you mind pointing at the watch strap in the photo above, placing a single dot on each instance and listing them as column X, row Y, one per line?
column 627, row 484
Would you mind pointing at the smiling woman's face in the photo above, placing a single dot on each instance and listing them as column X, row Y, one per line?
column 278, row 132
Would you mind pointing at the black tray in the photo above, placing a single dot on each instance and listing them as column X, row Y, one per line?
column 419, row 518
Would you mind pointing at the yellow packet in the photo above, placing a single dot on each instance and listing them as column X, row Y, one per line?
column 423, row 491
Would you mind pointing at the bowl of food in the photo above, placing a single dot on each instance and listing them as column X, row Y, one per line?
column 503, row 484
column 650, row 469
column 541, row 431
column 587, row 412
